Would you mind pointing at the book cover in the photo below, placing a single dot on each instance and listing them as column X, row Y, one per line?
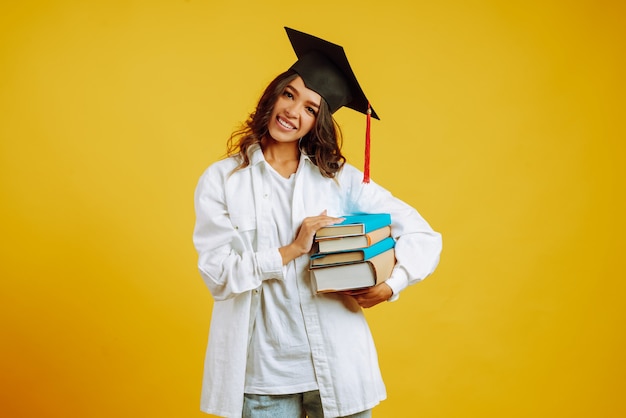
column 351, row 256
column 354, row 275
column 328, row 245
column 355, row 225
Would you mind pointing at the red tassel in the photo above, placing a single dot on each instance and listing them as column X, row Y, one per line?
column 366, row 169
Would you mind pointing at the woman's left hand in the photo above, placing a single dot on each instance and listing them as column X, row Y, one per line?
column 370, row 296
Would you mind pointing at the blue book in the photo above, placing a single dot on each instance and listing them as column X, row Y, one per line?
column 355, row 225
column 351, row 256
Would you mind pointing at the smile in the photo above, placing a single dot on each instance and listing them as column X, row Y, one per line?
column 284, row 123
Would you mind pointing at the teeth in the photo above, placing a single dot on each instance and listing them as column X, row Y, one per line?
column 285, row 124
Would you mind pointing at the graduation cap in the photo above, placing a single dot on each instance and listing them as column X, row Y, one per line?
column 324, row 68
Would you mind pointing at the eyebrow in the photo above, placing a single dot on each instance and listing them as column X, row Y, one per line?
column 297, row 93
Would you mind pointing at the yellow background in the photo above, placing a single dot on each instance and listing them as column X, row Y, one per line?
column 502, row 122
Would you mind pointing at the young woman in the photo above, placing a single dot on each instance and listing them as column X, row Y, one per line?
column 276, row 348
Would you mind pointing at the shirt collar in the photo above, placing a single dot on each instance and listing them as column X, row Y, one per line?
column 256, row 155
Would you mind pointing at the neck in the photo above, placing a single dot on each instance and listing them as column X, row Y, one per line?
column 282, row 156
column 280, row 151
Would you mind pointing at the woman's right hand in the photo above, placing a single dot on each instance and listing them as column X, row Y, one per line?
column 304, row 238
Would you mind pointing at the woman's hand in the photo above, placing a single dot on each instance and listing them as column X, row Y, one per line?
column 370, row 296
column 306, row 233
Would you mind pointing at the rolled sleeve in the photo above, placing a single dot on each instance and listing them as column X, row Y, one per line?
column 397, row 283
column 270, row 264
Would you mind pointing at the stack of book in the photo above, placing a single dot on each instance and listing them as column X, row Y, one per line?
column 356, row 253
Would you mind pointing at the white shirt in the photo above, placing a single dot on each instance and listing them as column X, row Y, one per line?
column 279, row 358
column 237, row 253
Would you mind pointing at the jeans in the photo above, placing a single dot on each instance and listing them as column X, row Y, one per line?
column 297, row 405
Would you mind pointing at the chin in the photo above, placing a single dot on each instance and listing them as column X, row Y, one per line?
column 282, row 136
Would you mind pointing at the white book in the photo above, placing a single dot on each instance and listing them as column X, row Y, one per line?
column 354, row 275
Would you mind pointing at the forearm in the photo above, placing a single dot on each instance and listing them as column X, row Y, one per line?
column 292, row 251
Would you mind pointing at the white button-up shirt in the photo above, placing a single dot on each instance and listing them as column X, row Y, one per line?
column 237, row 253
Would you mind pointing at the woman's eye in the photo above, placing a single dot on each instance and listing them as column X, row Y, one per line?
column 311, row 111
column 288, row 95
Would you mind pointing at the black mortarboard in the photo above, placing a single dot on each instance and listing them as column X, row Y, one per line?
column 325, row 69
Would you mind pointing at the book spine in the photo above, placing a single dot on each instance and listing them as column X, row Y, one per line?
column 378, row 248
column 317, row 259
column 370, row 221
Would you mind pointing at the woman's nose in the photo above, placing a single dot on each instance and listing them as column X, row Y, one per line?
column 292, row 110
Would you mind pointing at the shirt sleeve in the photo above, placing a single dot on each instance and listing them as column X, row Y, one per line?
column 418, row 246
column 227, row 261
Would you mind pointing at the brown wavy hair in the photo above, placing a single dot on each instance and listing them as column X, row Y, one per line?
column 322, row 144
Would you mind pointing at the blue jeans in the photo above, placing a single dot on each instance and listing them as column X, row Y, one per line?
column 297, row 405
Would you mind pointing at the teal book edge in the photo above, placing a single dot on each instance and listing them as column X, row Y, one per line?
column 371, row 221
column 368, row 252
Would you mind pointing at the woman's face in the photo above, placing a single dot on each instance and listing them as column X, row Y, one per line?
column 294, row 113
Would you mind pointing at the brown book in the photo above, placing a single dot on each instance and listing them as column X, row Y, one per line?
column 350, row 256
column 327, row 245
column 354, row 275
